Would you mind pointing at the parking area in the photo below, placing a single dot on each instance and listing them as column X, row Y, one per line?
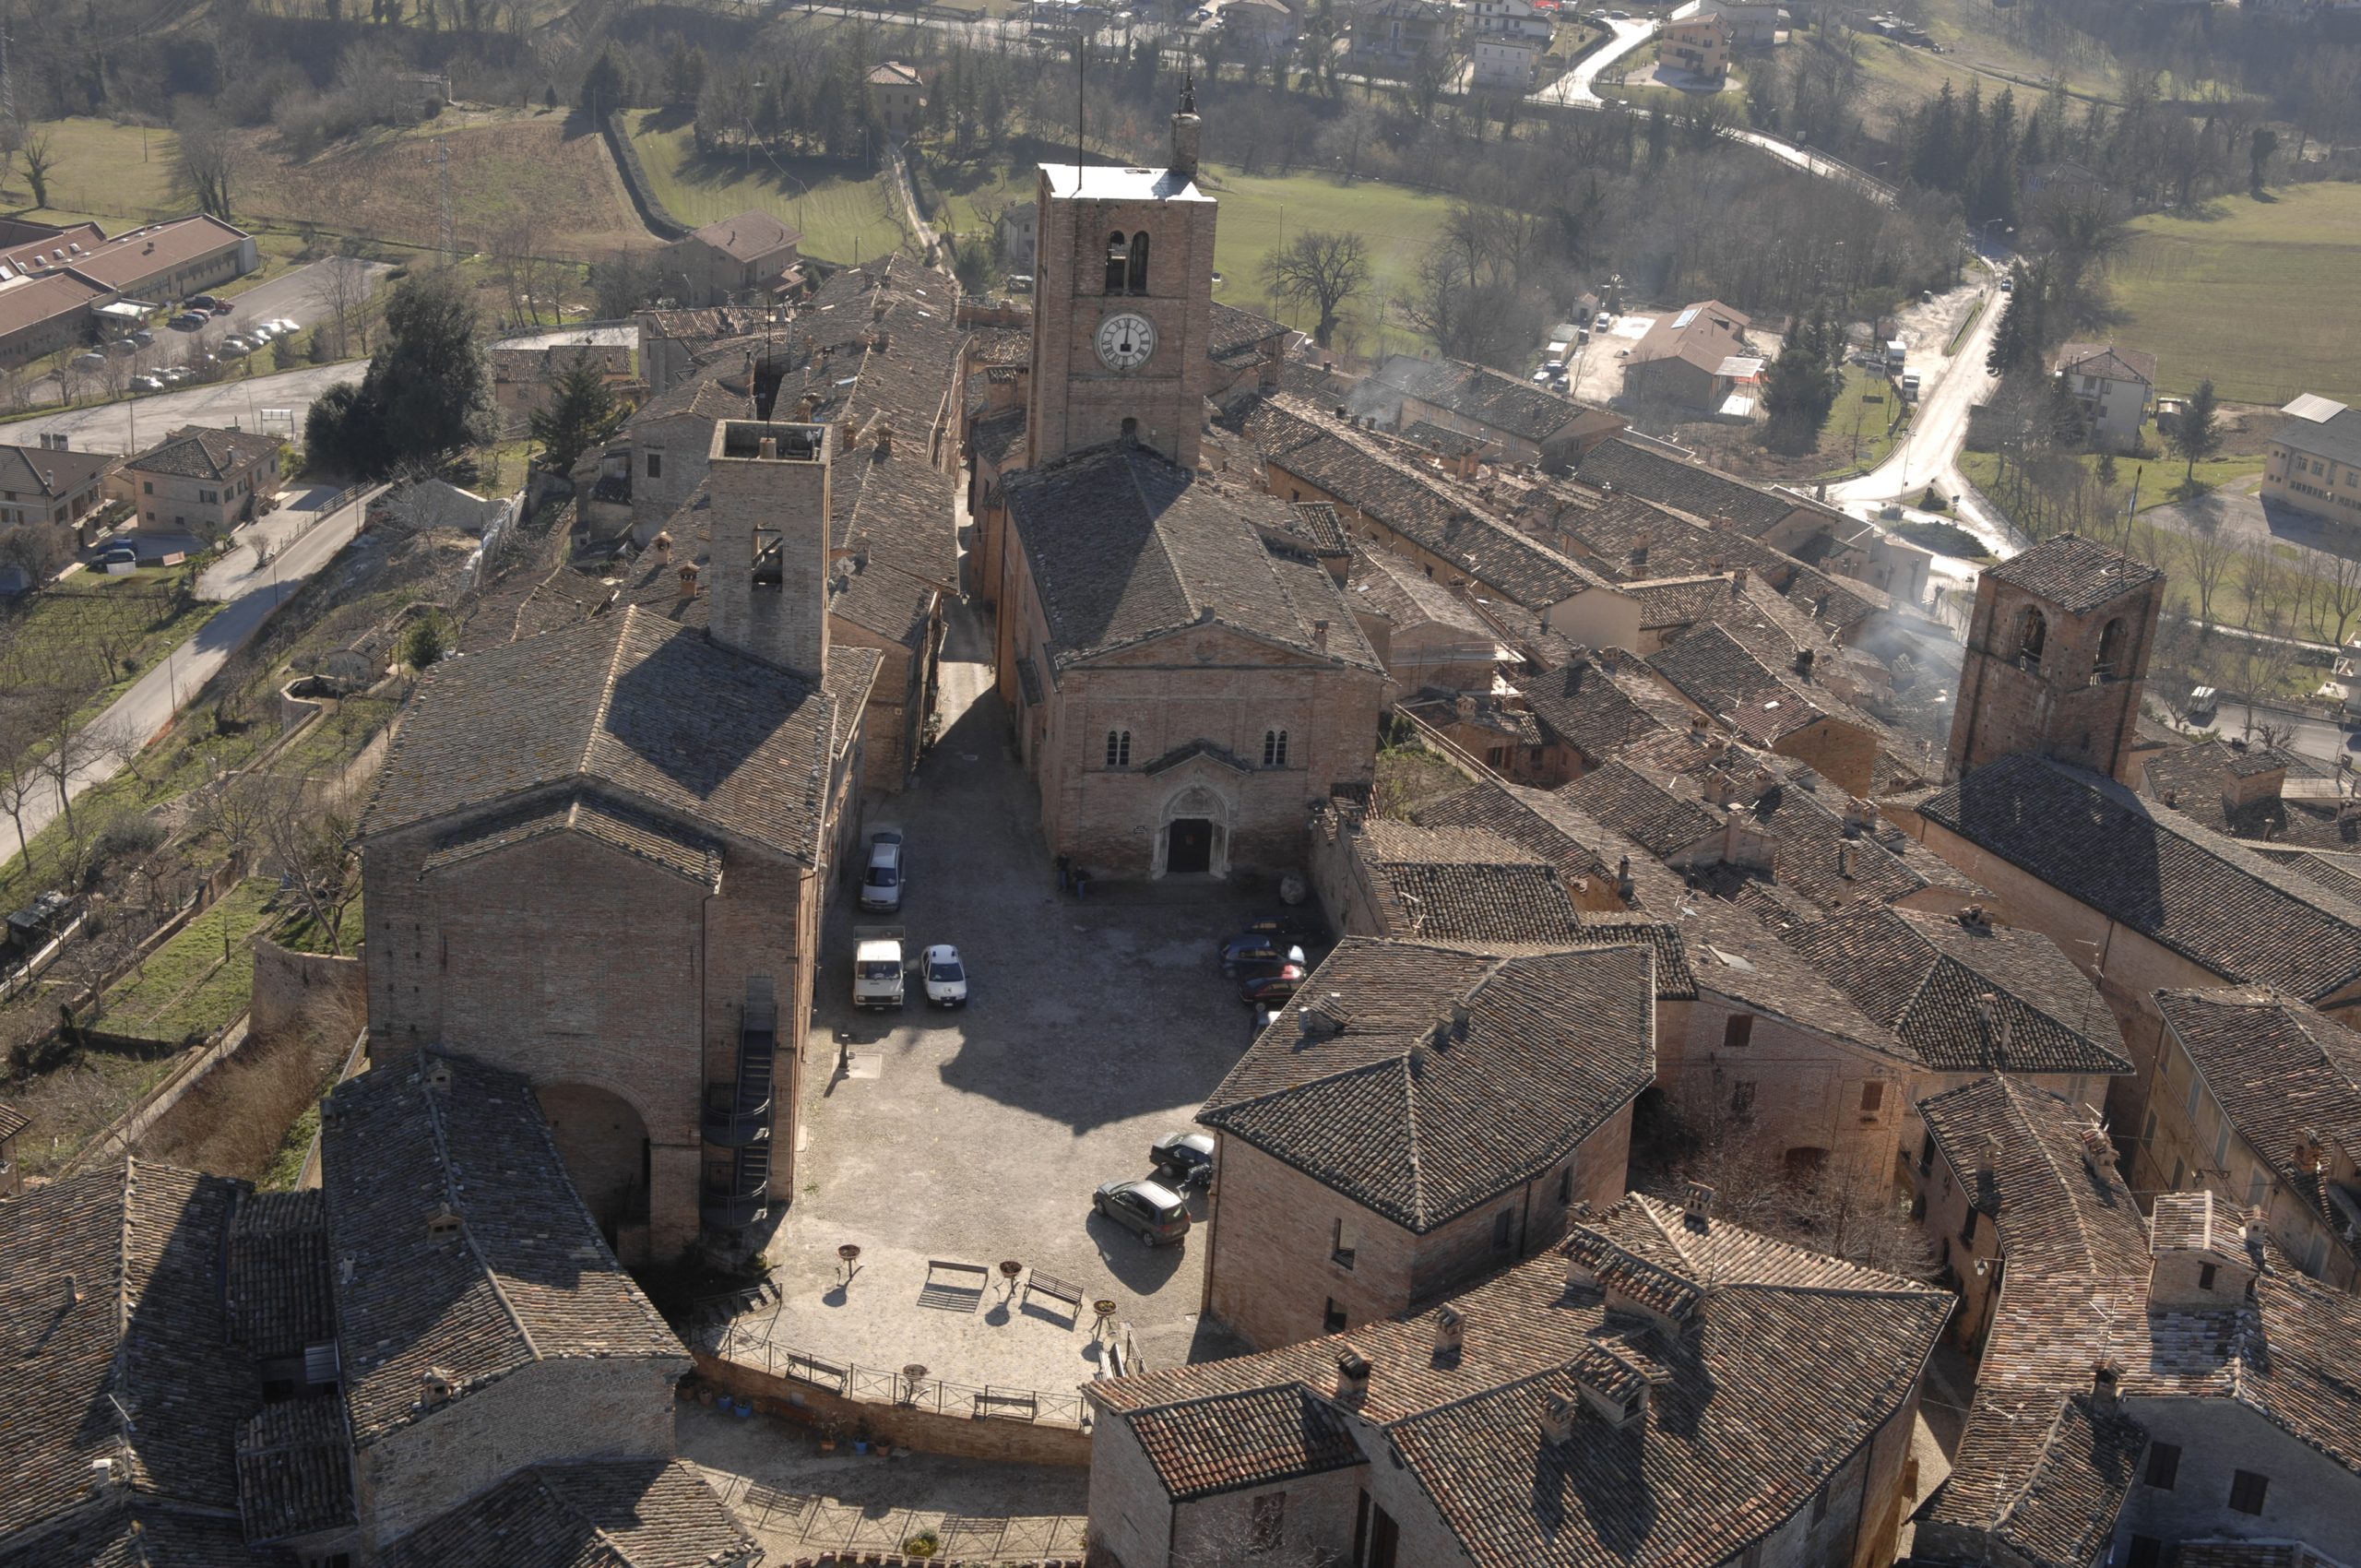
column 942, row 1142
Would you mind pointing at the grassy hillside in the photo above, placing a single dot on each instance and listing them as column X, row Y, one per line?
column 841, row 207
column 103, row 169
column 1259, row 211
column 2263, row 296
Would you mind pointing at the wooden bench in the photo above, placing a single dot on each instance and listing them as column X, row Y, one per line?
column 1057, row 1289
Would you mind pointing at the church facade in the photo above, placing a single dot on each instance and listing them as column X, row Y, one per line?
column 1185, row 680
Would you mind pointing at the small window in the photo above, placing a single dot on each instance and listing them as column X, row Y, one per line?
column 1503, row 1224
column 1738, row 1030
column 1331, row 1318
column 656, row 465
column 147, row 487
column 1118, row 748
column 1967, row 1227
column 1270, row 1514
column 1872, row 1097
column 1119, row 255
column 1926, row 1154
column 1343, row 1241
column 1138, row 280
column 2164, row 1465
column 2205, row 1276
column 2247, row 1491
column 2222, row 1144
column 1742, row 1097
column 2256, row 1183
column 2178, row 1171
column 2032, row 636
column 1275, row 748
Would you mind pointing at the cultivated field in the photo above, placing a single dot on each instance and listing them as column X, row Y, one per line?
column 2262, row 296
column 842, row 208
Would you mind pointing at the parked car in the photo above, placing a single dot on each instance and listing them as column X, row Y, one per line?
column 174, row 375
column 1183, row 1159
column 1541, row 375
column 148, row 383
column 1296, row 925
column 1271, row 988
column 2008, row 283
column 946, row 977
column 221, row 307
column 202, row 302
column 878, row 972
column 93, row 360
column 2203, row 702
column 122, row 552
column 122, row 346
column 190, row 320
column 286, row 327
column 1149, row 1209
column 1255, row 951
column 144, row 337
column 1554, row 367
column 233, row 344
column 1601, row 324
column 881, row 884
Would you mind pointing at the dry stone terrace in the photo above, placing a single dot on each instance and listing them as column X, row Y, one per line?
column 978, row 1136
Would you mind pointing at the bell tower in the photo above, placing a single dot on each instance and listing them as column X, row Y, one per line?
column 1122, row 304
column 2058, row 657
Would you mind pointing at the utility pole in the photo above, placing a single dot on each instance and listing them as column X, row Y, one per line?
column 442, row 158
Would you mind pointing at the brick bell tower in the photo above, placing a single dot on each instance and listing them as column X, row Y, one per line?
column 2058, row 657
column 1122, row 304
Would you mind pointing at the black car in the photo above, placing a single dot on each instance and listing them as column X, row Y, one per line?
column 1250, row 952
column 1272, row 989
column 1296, row 925
column 1184, row 1159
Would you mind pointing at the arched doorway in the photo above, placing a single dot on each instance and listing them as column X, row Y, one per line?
column 1193, row 838
column 604, row 1144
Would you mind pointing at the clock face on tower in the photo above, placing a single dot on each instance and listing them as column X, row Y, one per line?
column 1125, row 341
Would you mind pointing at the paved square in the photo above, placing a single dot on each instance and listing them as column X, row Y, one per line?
column 1092, row 1030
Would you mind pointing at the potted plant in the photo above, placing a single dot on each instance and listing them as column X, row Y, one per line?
column 926, row 1543
column 827, row 1437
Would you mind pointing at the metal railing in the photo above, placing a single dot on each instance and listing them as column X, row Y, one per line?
column 872, row 1385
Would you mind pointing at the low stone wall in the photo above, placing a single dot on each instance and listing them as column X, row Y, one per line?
column 289, row 985
column 905, row 1426
column 652, row 210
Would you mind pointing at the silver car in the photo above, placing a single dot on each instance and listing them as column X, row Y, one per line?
column 881, row 883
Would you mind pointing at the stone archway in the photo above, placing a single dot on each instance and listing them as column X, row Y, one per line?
column 603, row 1140
column 1192, row 833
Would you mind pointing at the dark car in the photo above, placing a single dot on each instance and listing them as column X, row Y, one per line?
column 1272, row 989
column 1183, row 1159
column 1249, row 951
column 1296, row 925
column 1149, row 1209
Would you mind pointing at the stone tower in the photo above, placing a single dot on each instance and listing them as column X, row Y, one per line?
column 766, row 489
column 2056, row 657
column 1122, row 304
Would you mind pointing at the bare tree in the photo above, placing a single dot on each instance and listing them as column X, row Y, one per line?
column 41, row 157
column 205, row 168
column 67, row 749
column 1321, row 270
column 2337, row 595
column 309, row 844
column 22, row 779
column 2260, row 583
column 2206, row 551
column 341, row 290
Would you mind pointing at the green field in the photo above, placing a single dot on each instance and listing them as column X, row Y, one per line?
column 2262, row 296
column 103, row 170
column 844, row 211
column 187, row 989
column 1259, row 211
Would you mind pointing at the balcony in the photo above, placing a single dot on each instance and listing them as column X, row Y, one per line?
column 739, row 1115
column 737, row 1191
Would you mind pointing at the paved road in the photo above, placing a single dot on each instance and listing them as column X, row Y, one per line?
column 141, row 421
column 1953, row 385
column 1574, row 87
column 140, row 713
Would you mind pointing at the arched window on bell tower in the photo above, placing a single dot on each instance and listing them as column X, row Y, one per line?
column 1119, row 254
column 1139, row 262
column 2112, row 638
column 2032, row 636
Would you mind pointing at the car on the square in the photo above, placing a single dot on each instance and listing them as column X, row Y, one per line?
column 1251, row 951
column 880, row 884
column 220, row 307
column 1271, row 988
column 121, row 553
column 1296, row 925
column 1149, row 1209
column 1183, row 1159
column 190, row 320
column 148, row 383
column 946, row 977
column 878, row 971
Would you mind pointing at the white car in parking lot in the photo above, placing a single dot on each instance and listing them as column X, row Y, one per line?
column 946, row 977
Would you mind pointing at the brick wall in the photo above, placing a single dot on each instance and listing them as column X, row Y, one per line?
column 1013, row 1441
column 294, row 989
column 581, row 1408
column 2059, row 707
column 1788, row 1084
column 1845, row 754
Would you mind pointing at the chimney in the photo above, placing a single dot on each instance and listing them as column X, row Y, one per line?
column 1844, row 858
column 1987, row 1158
column 1697, row 728
column 1697, row 1206
column 2107, row 1378
column 1352, row 1373
column 433, row 1386
column 437, row 1077
column 1624, row 883
column 1451, row 1333
column 1973, row 918
column 2098, row 1150
column 103, row 1475
column 1320, row 636
column 1804, row 659
column 1464, row 708
column 2307, row 1150
column 2255, row 1228
column 688, row 579
column 1186, row 130
column 1738, row 582
column 1556, row 1419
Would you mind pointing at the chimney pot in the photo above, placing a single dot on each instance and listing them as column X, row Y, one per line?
column 2107, row 1377
column 1319, row 634
column 1352, row 1373
column 1450, row 1332
column 1697, row 1204
column 1556, row 1419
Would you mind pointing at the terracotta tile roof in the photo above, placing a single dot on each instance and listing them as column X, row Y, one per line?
column 2280, row 1071
column 1632, row 470
column 1924, row 977
column 142, row 1533
column 113, row 1335
column 528, row 1278
column 2108, row 361
column 1385, row 584
column 1239, row 335
column 634, row 833
column 1813, row 1350
column 199, row 452
column 1550, row 825
column 12, row 1121
column 1462, row 884
column 1644, row 809
column 1362, row 472
column 2292, row 801
column 655, row 714
column 2038, row 1468
column 39, row 471
column 1719, row 674
column 1601, row 703
column 2078, row 574
column 998, row 437
column 142, row 256
column 1482, row 395
column 278, row 1296
column 2158, row 873
column 294, row 1469
column 601, row 1513
column 1732, row 956
column 1124, row 547
column 2249, row 1554
column 1204, row 1447
column 705, row 396
column 1422, row 1129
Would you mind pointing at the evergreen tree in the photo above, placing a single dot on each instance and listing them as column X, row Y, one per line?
column 426, row 394
column 581, row 414
column 2197, row 434
column 2009, row 346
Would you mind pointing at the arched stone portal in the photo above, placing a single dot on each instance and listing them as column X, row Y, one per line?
column 603, row 1141
column 1193, row 837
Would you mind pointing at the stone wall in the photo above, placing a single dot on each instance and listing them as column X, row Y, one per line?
column 292, row 990
column 930, row 1432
